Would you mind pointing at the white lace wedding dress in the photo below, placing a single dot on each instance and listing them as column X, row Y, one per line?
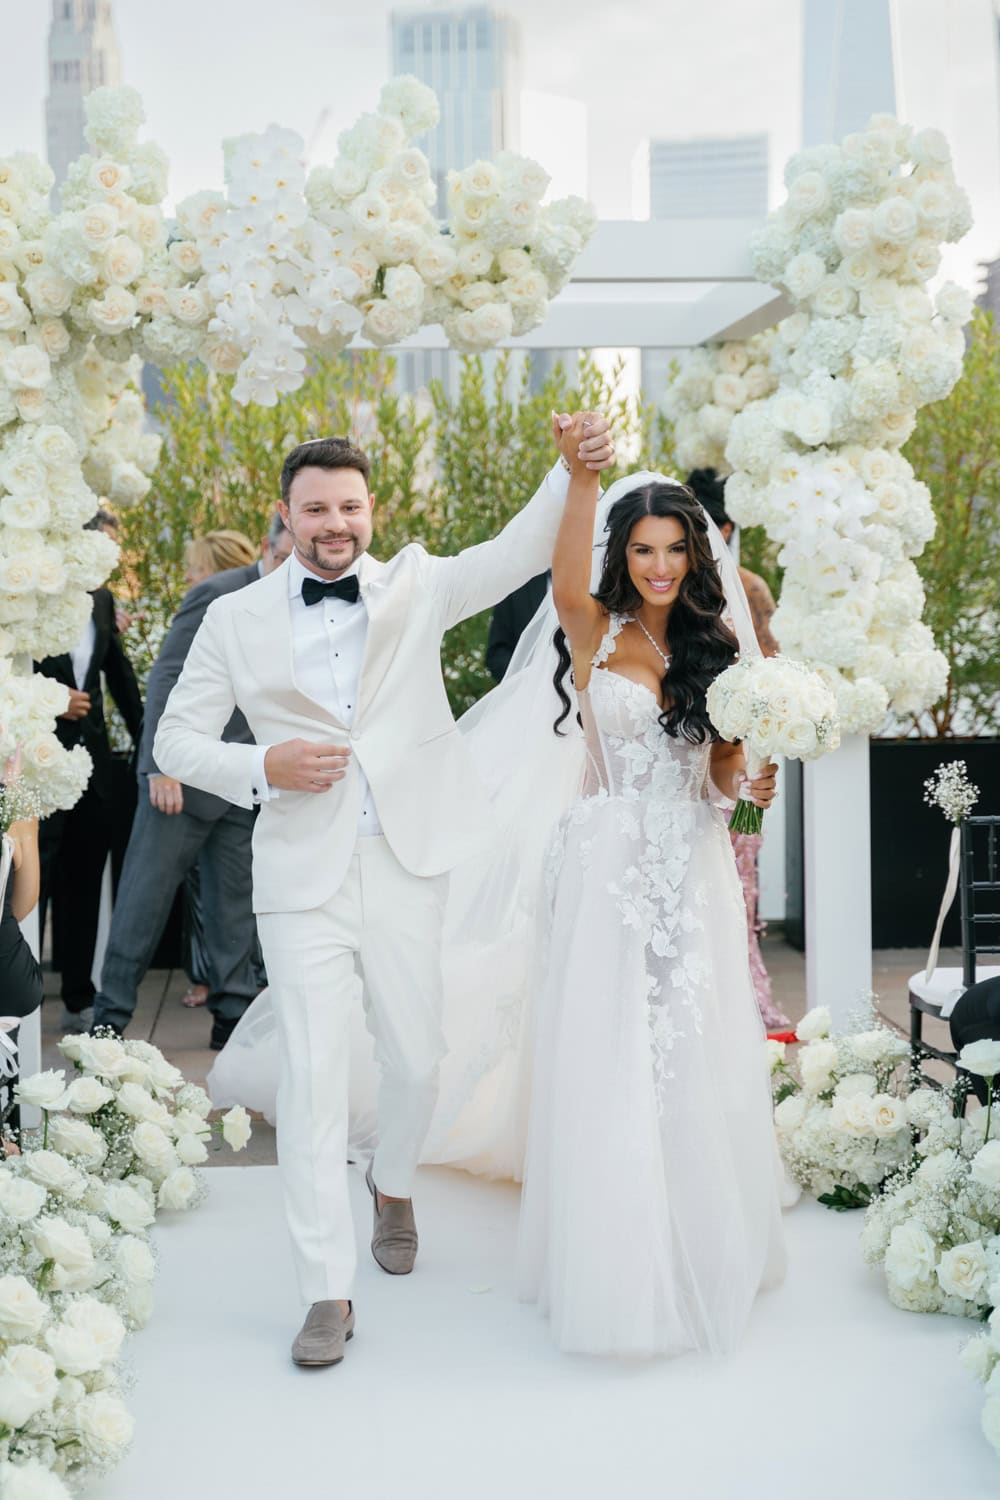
column 651, row 1208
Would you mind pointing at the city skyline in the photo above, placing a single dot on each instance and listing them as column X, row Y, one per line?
column 678, row 74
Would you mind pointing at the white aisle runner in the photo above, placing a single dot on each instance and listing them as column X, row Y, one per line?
column 452, row 1391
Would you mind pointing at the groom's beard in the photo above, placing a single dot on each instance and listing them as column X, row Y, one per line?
column 330, row 558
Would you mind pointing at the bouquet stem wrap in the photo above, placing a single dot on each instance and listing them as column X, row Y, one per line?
column 747, row 816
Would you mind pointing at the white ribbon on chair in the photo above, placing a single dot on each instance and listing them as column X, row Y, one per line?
column 954, row 860
column 8, row 1047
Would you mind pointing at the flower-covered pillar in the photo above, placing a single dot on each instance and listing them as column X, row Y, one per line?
column 817, row 462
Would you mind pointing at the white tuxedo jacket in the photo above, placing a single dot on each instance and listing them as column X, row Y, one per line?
column 434, row 809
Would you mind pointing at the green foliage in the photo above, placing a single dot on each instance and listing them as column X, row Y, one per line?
column 448, row 472
column 955, row 450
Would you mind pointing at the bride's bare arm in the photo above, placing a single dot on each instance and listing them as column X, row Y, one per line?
column 580, row 615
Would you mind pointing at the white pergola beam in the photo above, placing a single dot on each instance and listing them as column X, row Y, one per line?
column 684, row 250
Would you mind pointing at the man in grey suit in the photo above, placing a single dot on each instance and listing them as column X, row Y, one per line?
column 176, row 825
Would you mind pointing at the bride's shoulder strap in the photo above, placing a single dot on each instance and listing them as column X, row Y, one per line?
column 607, row 646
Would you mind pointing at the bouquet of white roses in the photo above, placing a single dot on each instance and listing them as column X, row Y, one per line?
column 840, row 1115
column 774, row 706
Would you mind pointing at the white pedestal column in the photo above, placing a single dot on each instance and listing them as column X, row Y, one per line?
column 772, row 904
column 29, row 1033
column 838, row 879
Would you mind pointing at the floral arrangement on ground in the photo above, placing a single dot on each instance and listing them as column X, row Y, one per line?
column 119, row 1143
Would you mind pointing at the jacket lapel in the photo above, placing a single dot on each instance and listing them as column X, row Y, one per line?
column 386, row 596
column 265, row 633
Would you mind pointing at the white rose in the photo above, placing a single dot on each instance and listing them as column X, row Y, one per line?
column 191, row 1150
column 49, row 293
column 853, row 230
column 963, row 1271
column 436, row 261
column 28, row 1384
column 911, row 1254
column 22, row 1311
column 491, row 323
column 153, row 1148
column 985, row 1168
column 851, row 1114
column 789, row 1114
column 128, row 1207
column 814, row 1025
column 113, row 311
column 775, row 1054
column 89, row 1335
column 98, row 1054
column 979, row 1357
column 87, row 1095
column 982, row 1058
column 385, row 322
column 888, row 1115
column 189, row 305
column 54, row 337
column 31, row 1481
column 178, row 1189
column 43, row 1090
column 97, row 223
column 134, row 1259
column 123, row 260
column 799, row 740
column 236, row 1128
column 817, row 1062
column 64, row 1243
column 14, row 313
column 55, row 1173
column 20, row 1199
column 804, row 274
column 895, row 221
column 104, row 1422
column 27, row 368
column 186, row 257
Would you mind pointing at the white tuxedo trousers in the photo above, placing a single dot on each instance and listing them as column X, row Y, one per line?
column 386, row 925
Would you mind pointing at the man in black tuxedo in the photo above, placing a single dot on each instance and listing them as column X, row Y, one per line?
column 175, row 825
column 74, row 845
column 508, row 623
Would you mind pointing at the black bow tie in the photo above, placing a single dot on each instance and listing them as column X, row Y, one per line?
column 313, row 589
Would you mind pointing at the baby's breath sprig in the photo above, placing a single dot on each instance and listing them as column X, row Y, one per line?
column 951, row 790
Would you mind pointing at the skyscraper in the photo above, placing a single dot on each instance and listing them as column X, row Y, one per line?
column 470, row 58
column 83, row 55
column 708, row 178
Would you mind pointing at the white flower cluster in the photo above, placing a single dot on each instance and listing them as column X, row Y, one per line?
column 286, row 262
column 840, row 1116
column 950, row 789
column 76, row 1267
column 51, row 776
column 775, row 706
column 817, row 462
column 712, row 384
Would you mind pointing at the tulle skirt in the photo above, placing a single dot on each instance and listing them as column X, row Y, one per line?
column 651, row 1207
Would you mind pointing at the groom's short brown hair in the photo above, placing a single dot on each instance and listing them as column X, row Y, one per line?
column 323, row 453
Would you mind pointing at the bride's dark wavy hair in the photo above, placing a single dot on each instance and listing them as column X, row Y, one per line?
column 701, row 643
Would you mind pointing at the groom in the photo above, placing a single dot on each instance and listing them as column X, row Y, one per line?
column 368, row 800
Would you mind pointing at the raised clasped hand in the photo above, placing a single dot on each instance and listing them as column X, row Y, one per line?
column 584, row 440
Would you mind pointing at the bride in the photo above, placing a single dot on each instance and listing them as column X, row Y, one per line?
column 651, row 1209
column 601, row 946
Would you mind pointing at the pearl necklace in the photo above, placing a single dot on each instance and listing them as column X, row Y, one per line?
column 661, row 654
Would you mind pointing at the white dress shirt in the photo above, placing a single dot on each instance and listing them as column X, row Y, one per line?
column 83, row 652
column 328, row 651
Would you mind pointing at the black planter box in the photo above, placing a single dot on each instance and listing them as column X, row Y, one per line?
column 909, row 839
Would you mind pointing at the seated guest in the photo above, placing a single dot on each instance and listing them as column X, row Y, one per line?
column 976, row 1018
column 74, row 844
column 177, row 825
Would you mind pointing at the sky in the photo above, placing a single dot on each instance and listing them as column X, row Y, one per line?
column 208, row 69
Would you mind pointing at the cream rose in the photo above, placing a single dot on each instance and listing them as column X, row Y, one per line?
column 113, row 311
column 53, row 336
column 186, row 257
column 27, row 368
column 98, row 224
column 123, row 260
column 888, row 1115
column 189, row 305
column 851, row 1114
column 49, row 293
column 963, row 1271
